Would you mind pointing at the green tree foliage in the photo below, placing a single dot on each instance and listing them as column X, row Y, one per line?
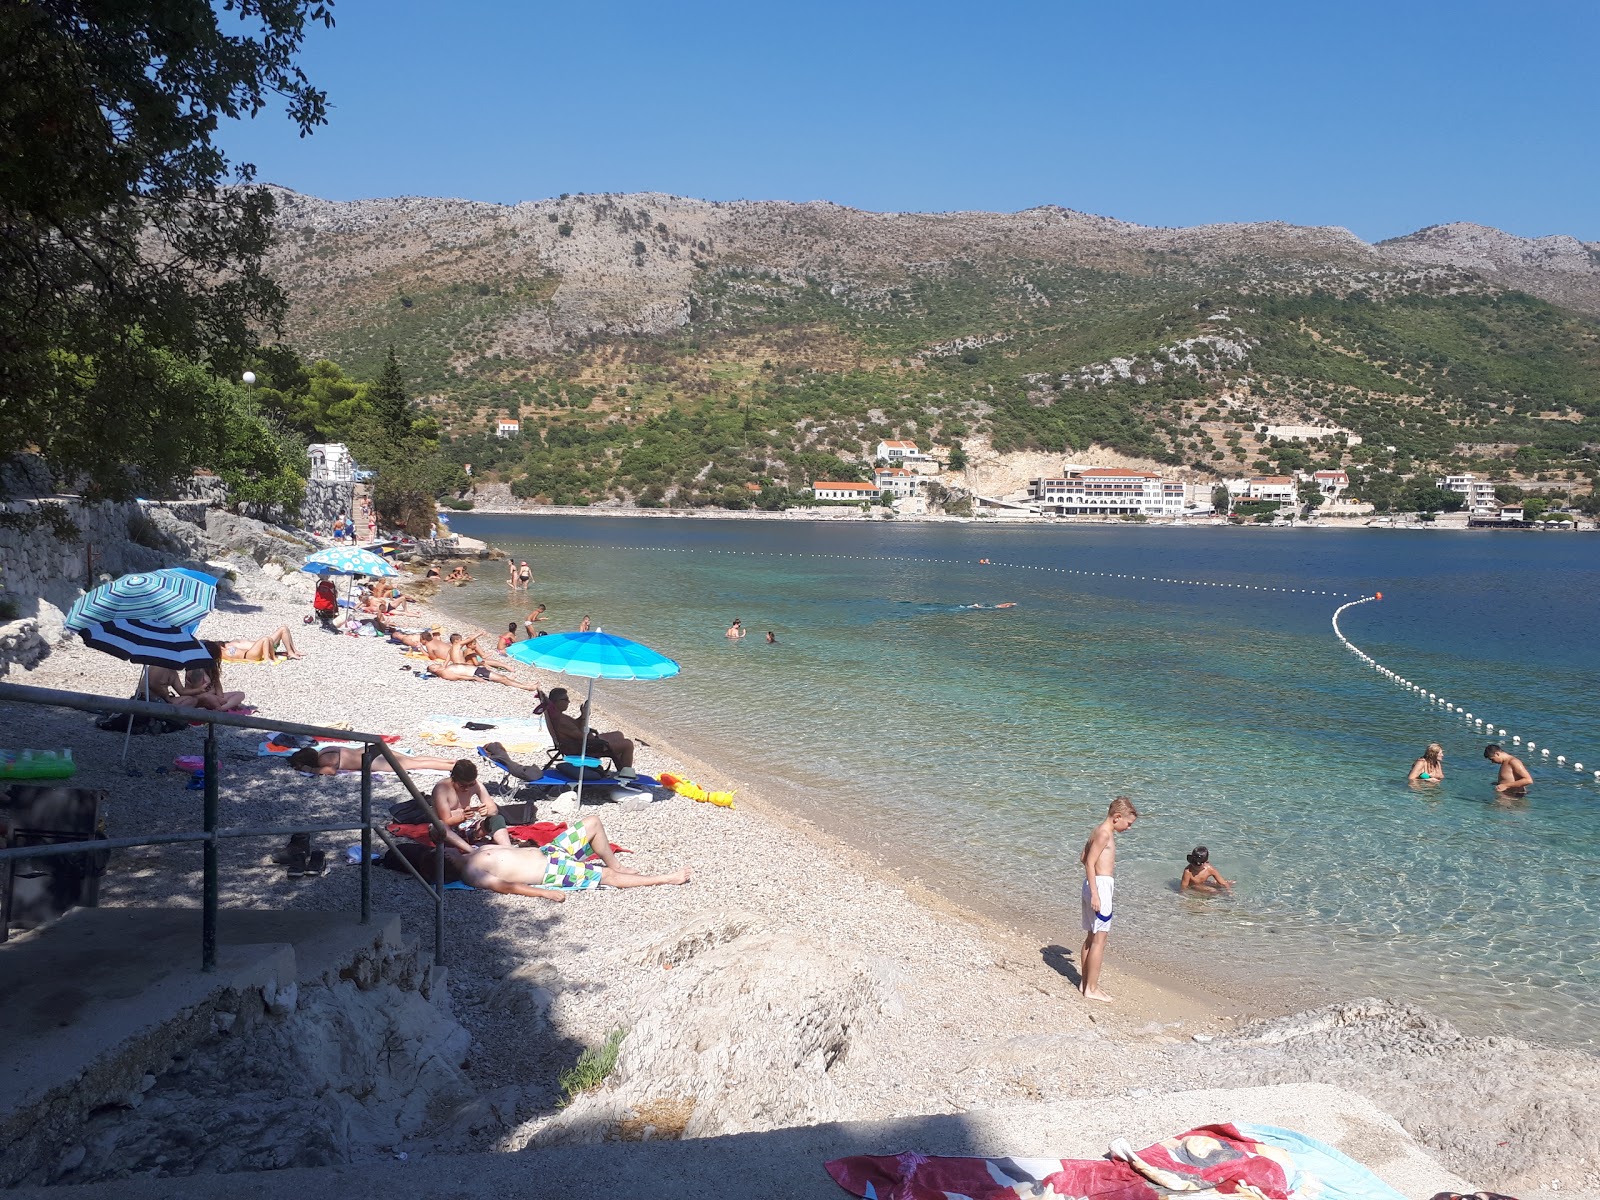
column 1311, row 494
column 392, row 410
column 124, row 251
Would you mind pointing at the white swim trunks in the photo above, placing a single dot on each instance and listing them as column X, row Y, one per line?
column 1098, row 922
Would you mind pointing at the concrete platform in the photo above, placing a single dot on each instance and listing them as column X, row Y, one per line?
column 787, row 1164
column 94, row 997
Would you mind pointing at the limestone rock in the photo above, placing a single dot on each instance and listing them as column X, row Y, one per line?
column 740, row 1036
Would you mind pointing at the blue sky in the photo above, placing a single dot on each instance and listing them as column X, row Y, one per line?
column 1378, row 117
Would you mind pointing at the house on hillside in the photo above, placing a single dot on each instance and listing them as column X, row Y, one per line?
column 1331, row 483
column 1273, row 487
column 824, row 490
column 898, row 482
column 1478, row 493
column 893, row 452
column 508, row 427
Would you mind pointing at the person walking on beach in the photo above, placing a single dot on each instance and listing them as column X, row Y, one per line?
column 1514, row 777
column 1430, row 767
column 1099, row 860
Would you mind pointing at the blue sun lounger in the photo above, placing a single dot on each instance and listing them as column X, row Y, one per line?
column 552, row 775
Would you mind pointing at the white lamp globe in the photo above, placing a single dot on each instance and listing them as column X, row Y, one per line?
column 249, row 378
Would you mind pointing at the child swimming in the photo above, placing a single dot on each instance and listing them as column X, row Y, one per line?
column 1201, row 876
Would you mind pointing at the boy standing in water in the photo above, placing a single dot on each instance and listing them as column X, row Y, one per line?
column 1514, row 777
column 1099, row 860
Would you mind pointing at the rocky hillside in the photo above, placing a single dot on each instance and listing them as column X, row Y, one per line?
column 673, row 350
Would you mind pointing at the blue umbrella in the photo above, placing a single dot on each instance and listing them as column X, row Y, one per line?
column 174, row 598
column 348, row 561
column 592, row 655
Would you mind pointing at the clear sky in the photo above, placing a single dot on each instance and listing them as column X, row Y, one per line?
column 1381, row 117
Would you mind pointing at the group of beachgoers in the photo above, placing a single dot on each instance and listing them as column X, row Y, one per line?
column 1099, row 855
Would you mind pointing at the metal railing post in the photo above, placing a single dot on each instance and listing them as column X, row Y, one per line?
column 438, row 894
column 208, row 901
column 367, row 755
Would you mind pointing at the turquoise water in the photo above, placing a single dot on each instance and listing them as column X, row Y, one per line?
column 1230, row 715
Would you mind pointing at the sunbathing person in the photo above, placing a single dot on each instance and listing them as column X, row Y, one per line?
column 347, row 758
column 506, row 638
column 263, row 649
column 566, row 731
column 563, row 864
column 464, row 651
column 462, row 673
column 202, row 686
column 412, row 641
column 465, row 809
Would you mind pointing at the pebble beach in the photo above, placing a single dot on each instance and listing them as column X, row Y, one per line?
column 986, row 1014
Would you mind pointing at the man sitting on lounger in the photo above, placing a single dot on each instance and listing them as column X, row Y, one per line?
column 347, row 758
column 566, row 731
column 563, row 864
column 465, row 810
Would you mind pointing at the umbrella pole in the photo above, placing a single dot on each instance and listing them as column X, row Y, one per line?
column 583, row 746
column 127, row 736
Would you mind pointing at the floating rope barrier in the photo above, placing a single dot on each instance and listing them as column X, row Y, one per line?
column 964, row 562
column 1479, row 724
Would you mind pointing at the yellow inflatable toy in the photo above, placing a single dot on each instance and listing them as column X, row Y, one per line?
column 693, row 791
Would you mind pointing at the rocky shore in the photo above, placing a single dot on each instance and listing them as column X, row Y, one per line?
column 794, row 981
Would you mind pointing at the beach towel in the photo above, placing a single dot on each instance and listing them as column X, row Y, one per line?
column 541, row 833
column 521, row 735
column 1246, row 1160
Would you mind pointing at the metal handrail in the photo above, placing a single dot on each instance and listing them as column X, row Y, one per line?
column 211, row 835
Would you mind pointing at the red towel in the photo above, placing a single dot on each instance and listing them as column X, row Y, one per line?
column 540, row 834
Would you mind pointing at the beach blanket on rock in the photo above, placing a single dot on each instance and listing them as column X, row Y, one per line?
column 1261, row 1162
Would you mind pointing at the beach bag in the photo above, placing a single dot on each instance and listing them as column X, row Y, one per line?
column 408, row 812
column 421, row 859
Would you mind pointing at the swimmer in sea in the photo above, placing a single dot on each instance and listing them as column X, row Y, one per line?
column 772, row 638
column 736, row 630
column 1514, row 777
column 1430, row 767
column 1201, row 876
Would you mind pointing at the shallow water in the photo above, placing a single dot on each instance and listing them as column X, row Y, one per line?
column 992, row 739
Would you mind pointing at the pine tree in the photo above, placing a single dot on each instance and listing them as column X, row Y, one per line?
column 391, row 407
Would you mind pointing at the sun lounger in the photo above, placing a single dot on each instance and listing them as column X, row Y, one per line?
column 560, row 774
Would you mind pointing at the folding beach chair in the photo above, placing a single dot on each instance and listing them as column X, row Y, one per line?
column 558, row 772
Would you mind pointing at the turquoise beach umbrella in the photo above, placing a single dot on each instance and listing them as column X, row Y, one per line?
column 173, row 597
column 592, row 655
column 345, row 561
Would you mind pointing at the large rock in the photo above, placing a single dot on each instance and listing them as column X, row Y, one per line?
column 740, row 1034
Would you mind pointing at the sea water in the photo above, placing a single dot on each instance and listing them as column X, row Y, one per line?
column 989, row 740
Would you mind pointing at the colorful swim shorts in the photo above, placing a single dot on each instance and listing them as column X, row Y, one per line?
column 563, row 867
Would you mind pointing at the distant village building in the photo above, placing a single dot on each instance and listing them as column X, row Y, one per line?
column 898, row 482
column 1311, row 433
column 1272, row 487
column 844, row 491
column 1108, row 491
column 331, row 462
column 1331, row 483
column 1478, row 493
column 507, row 428
column 896, row 451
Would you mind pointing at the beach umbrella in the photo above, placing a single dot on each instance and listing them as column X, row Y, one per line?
column 149, row 645
column 174, row 598
column 348, row 560
column 343, row 560
column 592, row 655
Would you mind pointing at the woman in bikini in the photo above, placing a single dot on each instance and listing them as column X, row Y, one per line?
column 202, row 686
column 263, row 649
column 347, row 758
column 1430, row 767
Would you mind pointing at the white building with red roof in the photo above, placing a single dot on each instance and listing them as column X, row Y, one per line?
column 827, row 490
column 893, row 452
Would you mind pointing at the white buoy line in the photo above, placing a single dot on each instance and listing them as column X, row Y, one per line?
column 1479, row 724
column 982, row 562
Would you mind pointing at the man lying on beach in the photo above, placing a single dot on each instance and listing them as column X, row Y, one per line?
column 566, row 731
column 534, row 871
column 347, row 758
column 465, row 809
column 1514, row 777
column 464, row 674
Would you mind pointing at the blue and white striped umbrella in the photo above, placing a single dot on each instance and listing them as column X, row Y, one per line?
column 347, row 561
column 592, row 655
column 152, row 645
column 173, row 597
